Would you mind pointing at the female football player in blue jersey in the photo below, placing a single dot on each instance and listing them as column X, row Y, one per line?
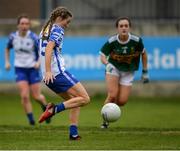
column 26, row 62
column 55, row 76
column 121, row 55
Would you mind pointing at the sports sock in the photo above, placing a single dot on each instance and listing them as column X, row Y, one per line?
column 73, row 130
column 31, row 118
column 59, row 107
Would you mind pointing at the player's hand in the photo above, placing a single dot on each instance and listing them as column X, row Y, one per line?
column 7, row 66
column 49, row 77
column 108, row 67
column 37, row 65
column 145, row 76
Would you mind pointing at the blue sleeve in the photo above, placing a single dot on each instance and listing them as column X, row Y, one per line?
column 36, row 43
column 56, row 36
column 10, row 41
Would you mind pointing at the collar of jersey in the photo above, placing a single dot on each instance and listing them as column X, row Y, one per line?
column 62, row 29
column 123, row 42
column 27, row 33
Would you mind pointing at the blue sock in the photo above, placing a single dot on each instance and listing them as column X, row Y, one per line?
column 31, row 118
column 73, row 130
column 59, row 107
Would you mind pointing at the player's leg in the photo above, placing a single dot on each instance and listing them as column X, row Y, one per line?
column 124, row 92
column 66, row 83
column 112, row 84
column 35, row 87
column 79, row 98
column 74, row 119
column 75, row 97
column 77, row 94
column 112, row 88
column 23, row 87
column 37, row 95
column 112, row 92
column 125, row 85
column 34, row 81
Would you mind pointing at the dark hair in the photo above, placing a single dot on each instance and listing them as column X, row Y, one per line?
column 22, row 16
column 62, row 12
column 122, row 18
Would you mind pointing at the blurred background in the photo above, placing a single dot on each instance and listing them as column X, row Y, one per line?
column 150, row 120
column 157, row 21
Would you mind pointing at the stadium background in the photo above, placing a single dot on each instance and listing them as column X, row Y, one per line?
column 155, row 105
column 158, row 22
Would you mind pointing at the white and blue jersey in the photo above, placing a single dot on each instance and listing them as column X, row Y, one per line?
column 63, row 79
column 26, row 49
column 57, row 61
column 26, row 55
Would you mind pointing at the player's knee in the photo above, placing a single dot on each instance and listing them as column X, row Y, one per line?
column 112, row 98
column 38, row 97
column 85, row 100
column 25, row 99
column 121, row 102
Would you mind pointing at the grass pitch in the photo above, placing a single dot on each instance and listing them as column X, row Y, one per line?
column 146, row 123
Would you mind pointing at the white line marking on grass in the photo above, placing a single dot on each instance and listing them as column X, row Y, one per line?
column 168, row 132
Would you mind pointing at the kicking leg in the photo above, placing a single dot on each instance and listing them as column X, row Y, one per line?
column 79, row 97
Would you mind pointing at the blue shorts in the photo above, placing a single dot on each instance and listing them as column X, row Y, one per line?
column 31, row 75
column 63, row 82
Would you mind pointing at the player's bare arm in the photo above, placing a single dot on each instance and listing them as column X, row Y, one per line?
column 7, row 63
column 49, row 49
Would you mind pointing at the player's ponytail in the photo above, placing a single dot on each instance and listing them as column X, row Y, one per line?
column 62, row 12
column 45, row 30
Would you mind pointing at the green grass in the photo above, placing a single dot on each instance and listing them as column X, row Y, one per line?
column 146, row 123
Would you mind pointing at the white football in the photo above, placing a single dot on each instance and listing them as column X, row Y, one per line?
column 111, row 112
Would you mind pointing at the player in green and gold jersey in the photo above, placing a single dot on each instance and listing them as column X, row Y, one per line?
column 121, row 54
